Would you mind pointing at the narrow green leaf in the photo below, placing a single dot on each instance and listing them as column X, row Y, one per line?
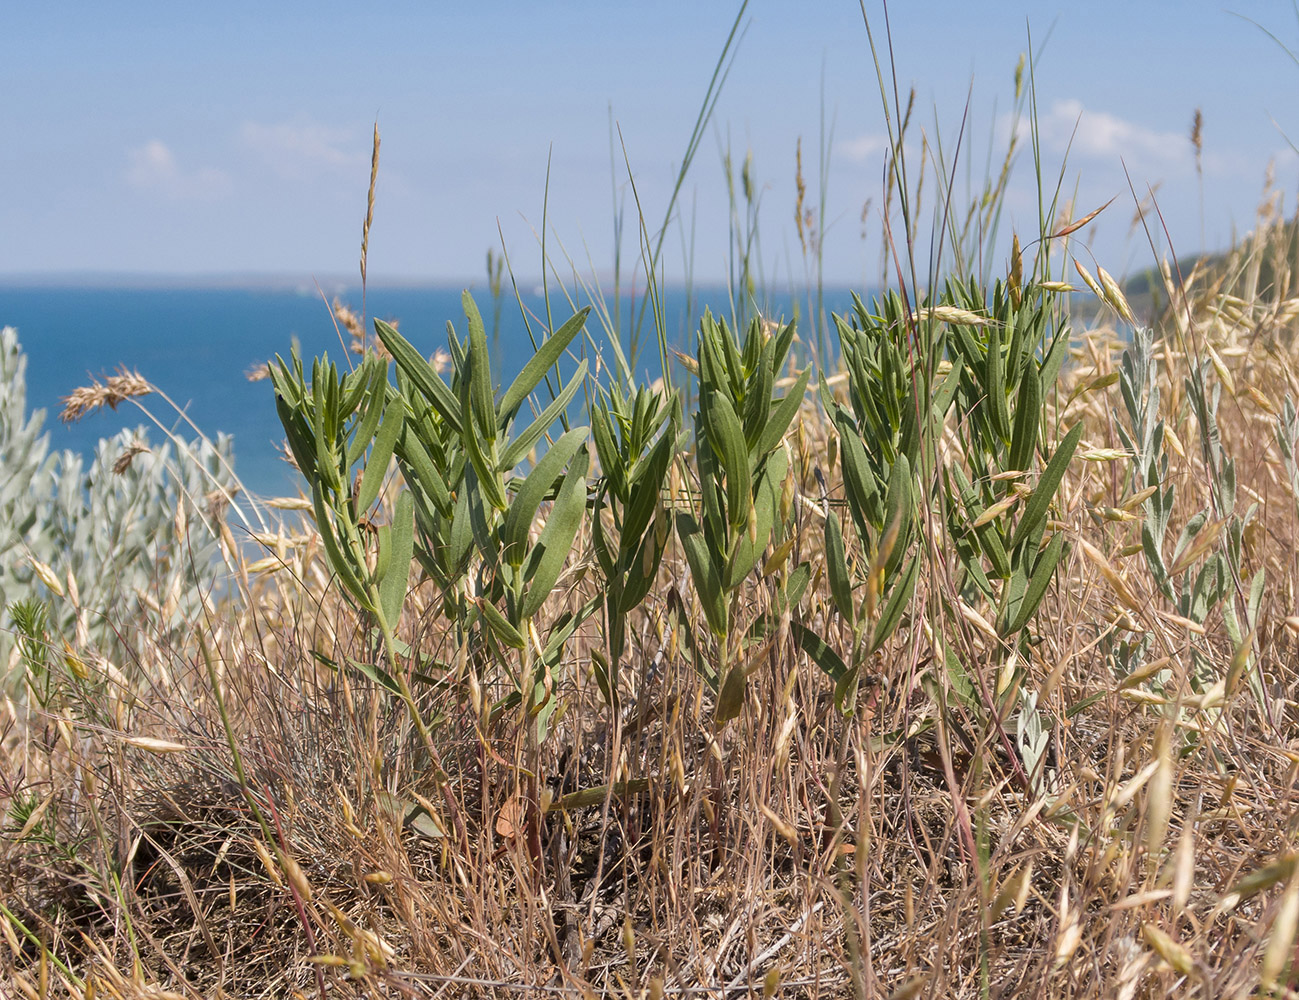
column 727, row 437
column 341, row 563
column 899, row 598
column 756, row 413
column 481, row 397
column 845, row 691
column 995, row 383
column 1028, row 410
column 555, row 542
column 644, row 491
column 381, row 454
column 947, row 390
column 354, row 387
column 860, row 485
column 749, row 544
column 836, row 568
column 483, row 520
column 796, row 584
column 1039, row 503
column 421, row 373
column 460, row 541
column 419, row 471
column 607, row 453
column 363, row 433
column 1043, row 572
column 897, row 509
column 782, row 340
column 705, row 575
column 392, row 586
column 497, row 622
column 818, row 651
column 1054, row 359
column 326, row 461
column 301, row 442
column 642, row 569
column 528, row 498
column 606, row 679
column 489, row 479
column 547, row 354
column 374, row 673
column 1012, row 594
column 782, row 415
column 518, row 448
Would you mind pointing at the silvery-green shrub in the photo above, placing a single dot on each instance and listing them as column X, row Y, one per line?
column 142, row 573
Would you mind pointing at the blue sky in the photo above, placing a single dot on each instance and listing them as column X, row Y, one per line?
column 196, row 139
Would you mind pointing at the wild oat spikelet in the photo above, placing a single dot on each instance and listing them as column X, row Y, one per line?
column 116, row 389
column 125, row 459
column 347, row 318
column 801, row 187
column 1197, row 140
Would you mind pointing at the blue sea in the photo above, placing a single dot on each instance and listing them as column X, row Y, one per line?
column 197, row 344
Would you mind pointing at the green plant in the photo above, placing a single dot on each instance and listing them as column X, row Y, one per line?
column 1204, row 568
column 1010, row 360
column 880, row 435
column 496, row 507
column 23, row 450
column 133, row 537
column 636, row 438
column 331, row 423
column 741, row 464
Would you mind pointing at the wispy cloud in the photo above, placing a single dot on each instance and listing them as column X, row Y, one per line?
column 301, row 151
column 153, row 168
column 861, row 148
column 1068, row 124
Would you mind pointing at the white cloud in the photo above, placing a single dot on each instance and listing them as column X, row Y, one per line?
column 862, row 148
column 299, row 151
column 1101, row 135
column 153, row 167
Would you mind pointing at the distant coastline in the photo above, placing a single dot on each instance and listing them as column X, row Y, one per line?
column 232, row 281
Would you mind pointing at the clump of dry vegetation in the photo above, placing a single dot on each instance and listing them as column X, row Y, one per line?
column 958, row 670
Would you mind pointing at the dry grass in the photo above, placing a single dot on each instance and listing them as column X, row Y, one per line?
column 900, row 852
